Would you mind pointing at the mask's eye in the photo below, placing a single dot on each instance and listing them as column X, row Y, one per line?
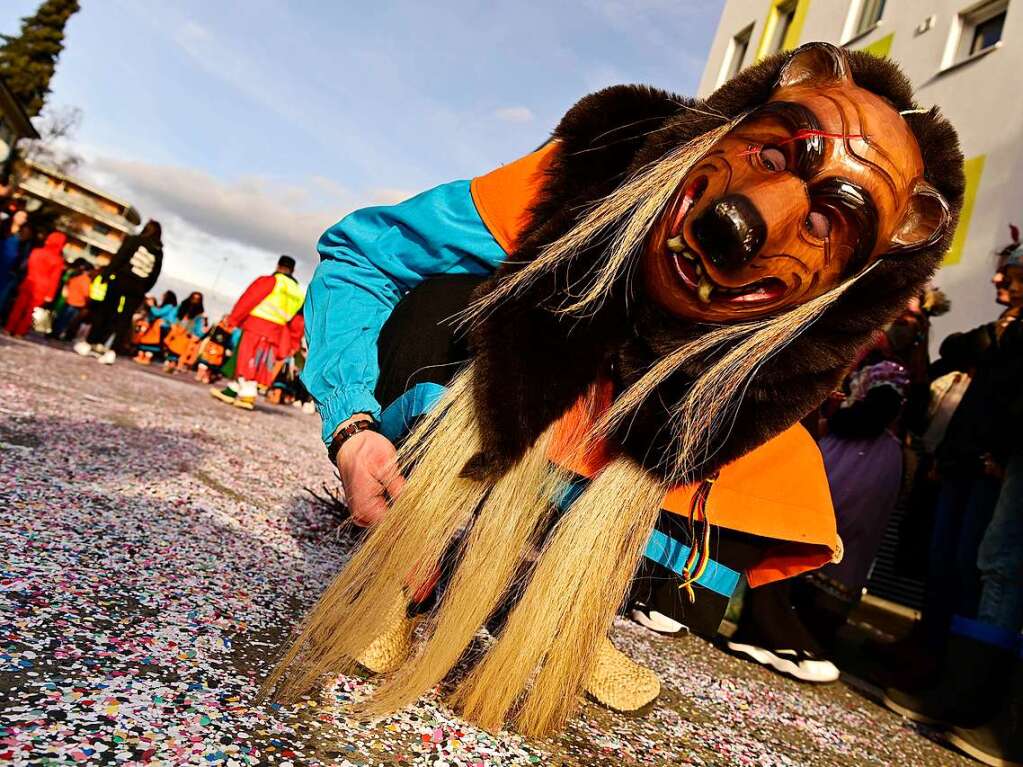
column 818, row 225
column 773, row 159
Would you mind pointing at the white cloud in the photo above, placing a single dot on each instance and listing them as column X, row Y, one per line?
column 190, row 32
column 219, row 235
column 220, row 268
column 251, row 211
column 390, row 195
column 514, row 114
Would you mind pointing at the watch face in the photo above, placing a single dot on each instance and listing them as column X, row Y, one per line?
column 808, row 189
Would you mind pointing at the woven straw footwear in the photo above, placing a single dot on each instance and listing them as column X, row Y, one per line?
column 620, row 683
column 389, row 650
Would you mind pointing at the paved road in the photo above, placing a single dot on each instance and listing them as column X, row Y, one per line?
column 157, row 546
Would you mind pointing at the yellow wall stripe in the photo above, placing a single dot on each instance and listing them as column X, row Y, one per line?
column 795, row 30
column 767, row 30
column 973, row 168
column 880, row 48
column 792, row 35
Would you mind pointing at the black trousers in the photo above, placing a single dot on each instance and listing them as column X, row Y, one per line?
column 419, row 343
column 113, row 317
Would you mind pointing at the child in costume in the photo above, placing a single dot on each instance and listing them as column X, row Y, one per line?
column 182, row 339
column 214, row 350
column 672, row 285
column 97, row 292
column 151, row 332
column 76, row 296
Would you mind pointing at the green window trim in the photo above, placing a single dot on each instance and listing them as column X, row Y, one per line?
column 881, row 47
column 972, row 168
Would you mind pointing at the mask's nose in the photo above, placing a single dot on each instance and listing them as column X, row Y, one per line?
column 730, row 232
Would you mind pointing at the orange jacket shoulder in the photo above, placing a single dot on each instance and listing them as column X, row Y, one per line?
column 504, row 196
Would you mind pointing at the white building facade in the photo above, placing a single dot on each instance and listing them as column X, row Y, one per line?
column 963, row 55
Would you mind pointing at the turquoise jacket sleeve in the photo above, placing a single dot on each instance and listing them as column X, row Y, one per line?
column 368, row 261
column 166, row 313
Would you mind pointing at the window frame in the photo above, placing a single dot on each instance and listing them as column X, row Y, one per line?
column 728, row 64
column 961, row 34
column 976, row 29
column 783, row 10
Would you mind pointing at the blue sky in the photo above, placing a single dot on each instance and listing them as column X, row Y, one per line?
column 248, row 126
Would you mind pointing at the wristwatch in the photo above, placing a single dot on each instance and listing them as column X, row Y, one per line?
column 343, row 435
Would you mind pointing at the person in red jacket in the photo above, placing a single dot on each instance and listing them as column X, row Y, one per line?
column 266, row 314
column 42, row 279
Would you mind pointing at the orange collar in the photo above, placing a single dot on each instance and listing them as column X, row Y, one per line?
column 778, row 491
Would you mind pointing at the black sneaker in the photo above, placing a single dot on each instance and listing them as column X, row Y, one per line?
column 992, row 744
column 974, row 678
column 649, row 618
column 798, row 664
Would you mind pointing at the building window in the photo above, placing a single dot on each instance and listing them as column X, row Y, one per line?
column 975, row 31
column 738, row 47
column 784, row 15
column 987, row 33
column 870, row 14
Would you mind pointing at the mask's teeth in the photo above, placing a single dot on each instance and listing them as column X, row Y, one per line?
column 687, row 203
column 704, row 290
column 675, row 244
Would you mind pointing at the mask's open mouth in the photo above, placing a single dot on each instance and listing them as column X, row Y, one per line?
column 689, row 265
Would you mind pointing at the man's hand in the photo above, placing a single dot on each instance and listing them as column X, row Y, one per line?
column 368, row 466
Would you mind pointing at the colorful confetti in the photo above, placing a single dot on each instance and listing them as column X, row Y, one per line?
column 158, row 547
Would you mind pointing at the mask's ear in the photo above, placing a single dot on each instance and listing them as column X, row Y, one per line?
column 815, row 64
column 925, row 222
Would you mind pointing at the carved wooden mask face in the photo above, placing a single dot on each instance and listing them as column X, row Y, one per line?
column 810, row 188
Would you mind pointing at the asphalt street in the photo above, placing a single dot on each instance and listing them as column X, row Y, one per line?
column 156, row 548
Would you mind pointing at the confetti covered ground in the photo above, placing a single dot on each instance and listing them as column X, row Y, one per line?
column 157, row 548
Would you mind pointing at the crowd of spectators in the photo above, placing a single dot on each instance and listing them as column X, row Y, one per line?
column 105, row 307
column 938, row 439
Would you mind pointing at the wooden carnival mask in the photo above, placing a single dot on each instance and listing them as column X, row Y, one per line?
column 806, row 190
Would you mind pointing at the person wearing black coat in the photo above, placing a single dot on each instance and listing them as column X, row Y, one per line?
column 132, row 272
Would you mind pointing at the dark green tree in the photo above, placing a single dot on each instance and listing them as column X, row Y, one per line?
column 28, row 60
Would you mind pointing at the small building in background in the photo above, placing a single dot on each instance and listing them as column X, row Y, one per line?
column 95, row 222
column 962, row 55
column 14, row 124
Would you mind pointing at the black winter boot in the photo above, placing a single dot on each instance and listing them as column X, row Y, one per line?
column 1000, row 741
column 973, row 681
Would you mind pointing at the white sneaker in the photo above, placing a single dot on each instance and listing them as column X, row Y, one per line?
column 83, row 348
column 309, row 408
column 107, row 357
column 798, row 664
column 655, row 621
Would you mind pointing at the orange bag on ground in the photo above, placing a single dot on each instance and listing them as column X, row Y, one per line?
column 149, row 334
column 214, row 354
column 177, row 340
column 191, row 355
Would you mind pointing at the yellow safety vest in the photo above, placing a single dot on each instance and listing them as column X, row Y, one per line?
column 98, row 288
column 283, row 302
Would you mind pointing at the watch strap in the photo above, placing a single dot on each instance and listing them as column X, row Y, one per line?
column 346, row 433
